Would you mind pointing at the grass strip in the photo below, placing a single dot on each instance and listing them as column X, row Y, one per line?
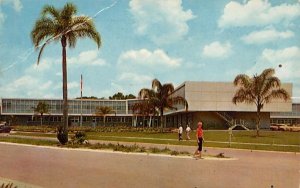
column 30, row 141
column 270, row 140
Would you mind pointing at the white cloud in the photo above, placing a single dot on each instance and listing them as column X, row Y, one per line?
column 217, row 50
column 73, row 85
column 288, row 58
column 46, row 85
column 257, row 13
column 162, row 21
column 136, row 69
column 87, row 58
column 145, row 58
column 23, row 81
column 130, row 82
column 134, row 78
column 291, row 53
column 28, row 87
column 16, row 4
column 266, row 35
column 2, row 18
column 289, row 71
column 44, row 65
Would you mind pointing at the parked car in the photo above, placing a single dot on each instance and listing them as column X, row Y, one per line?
column 275, row 127
column 284, row 127
column 4, row 128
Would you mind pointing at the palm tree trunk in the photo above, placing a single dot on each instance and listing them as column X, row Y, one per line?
column 258, row 121
column 65, row 86
column 150, row 120
column 41, row 119
column 161, row 118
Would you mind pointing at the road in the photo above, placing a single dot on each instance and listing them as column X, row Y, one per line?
column 57, row 167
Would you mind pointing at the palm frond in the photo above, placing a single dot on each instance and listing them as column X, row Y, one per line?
column 267, row 73
column 71, row 40
column 67, row 13
column 277, row 94
column 40, row 53
column 83, row 26
column 43, row 29
column 242, row 80
column 243, row 95
column 167, row 89
column 270, row 84
column 156, row 85
column 49, row 9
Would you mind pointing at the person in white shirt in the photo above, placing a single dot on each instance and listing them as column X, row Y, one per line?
column 188, row 130
column 180, row 131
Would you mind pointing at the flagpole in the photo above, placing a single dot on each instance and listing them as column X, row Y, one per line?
column 80, row 100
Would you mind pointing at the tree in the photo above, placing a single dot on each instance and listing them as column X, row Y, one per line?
column 160, row 96
column 103, row 111
column 130, row 96
column 258, row 90
column 121, row 96
column 145, row 108
column 42, row 108
column 86, row 97
column 62, row 25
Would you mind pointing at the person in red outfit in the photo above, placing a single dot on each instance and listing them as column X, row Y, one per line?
column 199, row 136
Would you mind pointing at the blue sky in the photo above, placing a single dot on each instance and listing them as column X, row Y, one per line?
column 172, row 40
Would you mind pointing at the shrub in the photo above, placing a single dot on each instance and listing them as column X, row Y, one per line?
column 220, row 155
column 79, row 138
column 154, row 150
column 99, row 146
column 174, row 153
column 166, row 150
column 62, row 135
column 184, row 153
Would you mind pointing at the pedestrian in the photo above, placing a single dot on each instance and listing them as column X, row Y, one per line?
column 180, row 130
column 188, row 130
column 200, row 139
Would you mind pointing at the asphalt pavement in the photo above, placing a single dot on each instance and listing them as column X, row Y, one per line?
column 38, row 166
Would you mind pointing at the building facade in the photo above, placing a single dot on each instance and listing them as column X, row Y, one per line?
column 210, row 102
column 21, row 111
column 289, row 118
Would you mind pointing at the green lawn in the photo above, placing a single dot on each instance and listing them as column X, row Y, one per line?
column 240, row 139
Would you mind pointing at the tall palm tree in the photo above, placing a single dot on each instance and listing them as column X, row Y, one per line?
column 64, row 26
column 259, row 90
column 42, row 108
column 160, row 96
column 103, row 111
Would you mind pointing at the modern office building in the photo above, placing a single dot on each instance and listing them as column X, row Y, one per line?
column 289, row 118
column 21, row 111
column 210, row 102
